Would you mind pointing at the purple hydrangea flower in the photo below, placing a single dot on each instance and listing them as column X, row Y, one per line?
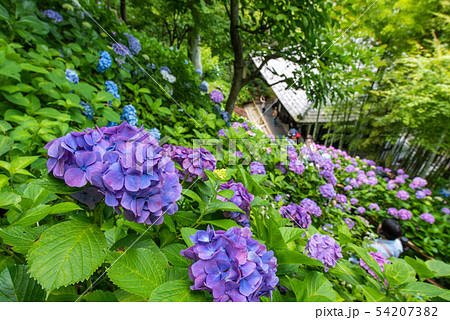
column 392, row 212
column 390, row 185
column 125, row 164
column 222, row 133
column 135, row 45
column 418, row 183
column 257, row 168
column 216, row 96
column 400, row 171
column 341, row 198
column 427, row 217
column 380, row 259
column 278, row 198
column 445, row 210
column 420, row 194
column 400, row 179
column 292, row 153
column 371, row 173
column 404, row 214
column 323, row 248
column 311, row 207
column 296, row 166
column 121, row 49
column 231, row 265
column 361, row 210
column 350, row 223
column 241, row 198
column 348, row 188
column 280, row 166
column 374, row 206
column 353, row 201
column 327, row 191
column 402, row 195
column 239, row 154
column 427, row 192
column 349, row 168
column 194, row 162
column 55, row 16
column 297, row 214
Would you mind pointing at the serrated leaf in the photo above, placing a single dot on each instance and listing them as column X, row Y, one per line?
column 138, row 270
column 172, row 253
column 111, row 115
column 100, row 296
column 64, row 207
column 223, row 206
column 227, row 193
column 17, row 286
column 317, row 285
column 6, row 144
column 8, row 198
column 55, row 185
column 295, row 257
column 185, row 233
column 20, row 238
column 125, row 296
column 441, row 268
column 66, row 253
column 290, row 234
column 32, row 215
column 423, row 289
column 222, row 223
column 176, row 291
column 420, row 267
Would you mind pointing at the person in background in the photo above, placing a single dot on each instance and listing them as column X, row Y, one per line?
column 309, row 142
column 275, row 115
column 263, row 104
column 389, row 243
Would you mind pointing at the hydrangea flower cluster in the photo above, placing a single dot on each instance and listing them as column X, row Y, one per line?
column 203, row 86
column 112, row 88
column 341, row 198
column 327, row 191
column 361, row 210
column 350, row 223
column 257, row 168
column 241, row 198
column 418, row 183
column 105, row 61
column 55, row 16
column 87, row 111
column 194, row 162
column 155, row 133
column 226, row 117
column 374, row 206
column 296, row 166
column 135, row 45
column 72, row 76
column 297, row 214
column 125, row 164
column 199, row 72
column 311, row 207
column 167, row 75
column 324, row 248
column 402, row 195
column 216, row 96
column 445, row 210
column 427, row 217
column 280, row 166
column 420, row 194
column 278, row 198
column 380, row 259
column 129, row 115
column 121, row 49
column 231, row 265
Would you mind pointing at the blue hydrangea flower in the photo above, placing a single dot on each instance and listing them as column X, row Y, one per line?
column 164, row 68
column 203, row 86
column 155, row 133
column 111, row 124
column 121, row 49
column 199, row 72
column 129, row 115
column 112, row 88
column 72, row 76
column 88, row 110
column 105, row 61
column 135, row 45
column 55, row 16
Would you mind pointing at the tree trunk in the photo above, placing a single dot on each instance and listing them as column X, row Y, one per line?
column 123, row 10
column 238, row 50
column 108, row 4
column 316, row 125
column 194, row 40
